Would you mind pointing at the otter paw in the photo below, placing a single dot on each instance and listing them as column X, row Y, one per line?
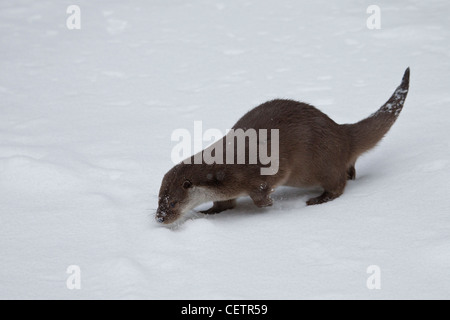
column 211, row 211
column 314, row 201
column 264, row 202
column 220, row 206
column 324, row 197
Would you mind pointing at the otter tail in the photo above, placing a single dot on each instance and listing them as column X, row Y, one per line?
column 365, row 134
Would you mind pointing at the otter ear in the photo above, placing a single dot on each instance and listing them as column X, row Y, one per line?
column 187, row 184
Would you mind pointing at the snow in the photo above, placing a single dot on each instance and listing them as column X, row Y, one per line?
column 85, row 127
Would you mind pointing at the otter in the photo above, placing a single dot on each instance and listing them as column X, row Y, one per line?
column 313, row 151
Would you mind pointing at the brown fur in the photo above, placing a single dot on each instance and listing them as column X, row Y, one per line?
column 314, row 151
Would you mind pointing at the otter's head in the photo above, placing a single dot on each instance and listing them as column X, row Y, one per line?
column 174, row 195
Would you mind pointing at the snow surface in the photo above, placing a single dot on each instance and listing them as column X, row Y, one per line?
column 85, row 127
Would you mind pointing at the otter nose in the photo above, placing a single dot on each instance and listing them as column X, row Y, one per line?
column 160, row 219
column 160, row 215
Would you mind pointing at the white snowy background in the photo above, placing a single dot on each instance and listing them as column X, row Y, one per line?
column 86, row 118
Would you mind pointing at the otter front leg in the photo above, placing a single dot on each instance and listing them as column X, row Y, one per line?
column 261, row 197
column 220, row 206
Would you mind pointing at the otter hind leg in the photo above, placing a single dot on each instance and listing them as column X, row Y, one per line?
column 351, row 173
column 324, row 197
column 220, row 206
column 331, row 192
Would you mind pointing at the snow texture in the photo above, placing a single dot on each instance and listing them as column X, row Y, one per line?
column 85, row 127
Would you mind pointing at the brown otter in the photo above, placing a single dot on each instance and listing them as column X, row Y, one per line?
column 313, row 151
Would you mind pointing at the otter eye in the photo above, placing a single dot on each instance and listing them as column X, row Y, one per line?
column 187, row 184
column 172, row 204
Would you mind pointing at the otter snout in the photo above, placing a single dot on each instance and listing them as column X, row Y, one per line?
column 160, row 216
column 166, row 216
